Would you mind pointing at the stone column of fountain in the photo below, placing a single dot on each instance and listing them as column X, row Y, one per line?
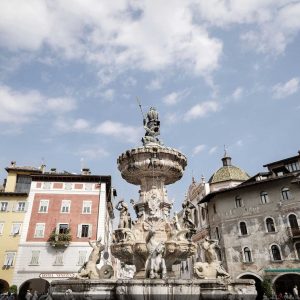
column 152, row 167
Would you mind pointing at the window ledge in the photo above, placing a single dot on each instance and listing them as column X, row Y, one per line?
column 271, row 232
column 248, row 262
column 244, row 235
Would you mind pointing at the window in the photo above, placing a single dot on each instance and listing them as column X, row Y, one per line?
column 217, row 233
column 84, row 230
column 21, row 206
column 243, row 228
column 68, row 185
column 39, row 230
column 3, row 206
column 294, row 166
column 1, row 228
column 9, row 259
column 81, row 258
column 297, row 247
column 270, row 225
column 35, row 255
column 196, row 218
column 43, row 208
column 65, row 206
column 293, row 221
column 264, row 198
column 238, row 201
column 247, row 255
column 276, row 256
column 285, row 193
column 87, row 207
column 203, row 213
column 23, row 184
column 15, row 228
column 47, row 185
column 214, row 208
column 62, row 228
column 58, row 259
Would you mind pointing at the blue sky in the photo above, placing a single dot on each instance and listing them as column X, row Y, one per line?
column 218, row 72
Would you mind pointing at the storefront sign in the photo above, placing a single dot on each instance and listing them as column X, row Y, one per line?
column 57, row 275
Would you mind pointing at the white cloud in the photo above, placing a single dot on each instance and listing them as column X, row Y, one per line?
column 16, row 107
column 174, row 97
column 93, row 153
column 61, row 104
column 239, row 143
column 198, row 149
column 212, row 150
column 237, row 93
column 70, row 125
column 108, row 95
column 282, row 90
column 154, row 84
column 118, row 35
column 201, row 110
column 120, row 131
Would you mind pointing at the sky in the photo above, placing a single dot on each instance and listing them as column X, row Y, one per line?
column 219, row 72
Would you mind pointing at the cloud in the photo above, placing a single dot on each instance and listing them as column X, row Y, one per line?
column 108, row 95
column 283, row 90
column 198, row 149
column 120, row 131
column 65, row 125
column 93, row 153
column 174, row 97
column 213, row 150
column 237, row 93
column 201, row 110
column 21, row 107
column 61, row 104
column 154, row 84
column 276, row 23
column 116, row 35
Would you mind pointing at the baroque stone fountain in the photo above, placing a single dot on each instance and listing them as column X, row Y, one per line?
column 155, row 241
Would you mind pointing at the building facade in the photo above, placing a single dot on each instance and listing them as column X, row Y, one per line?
column 257, row 225
column 13, row 207
column 65, row 212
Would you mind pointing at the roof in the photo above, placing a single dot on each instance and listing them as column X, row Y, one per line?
column 292, row 158
column 247, row 184
column 23, row 168
column 229, row 173
column 13, row 194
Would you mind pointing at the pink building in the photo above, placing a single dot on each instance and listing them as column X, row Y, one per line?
column 65, row 211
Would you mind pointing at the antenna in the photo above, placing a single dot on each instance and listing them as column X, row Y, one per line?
column 140, row 106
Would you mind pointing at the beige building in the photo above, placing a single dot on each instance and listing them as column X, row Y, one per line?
column 13, row 206
column 257, row 223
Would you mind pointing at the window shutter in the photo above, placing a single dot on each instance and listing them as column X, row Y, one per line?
column 26, row 206
column 79, row 228
column 90, row 230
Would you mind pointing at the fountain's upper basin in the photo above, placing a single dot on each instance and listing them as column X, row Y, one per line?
column 152, row 160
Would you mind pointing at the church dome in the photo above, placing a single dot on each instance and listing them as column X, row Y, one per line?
column 228, row 172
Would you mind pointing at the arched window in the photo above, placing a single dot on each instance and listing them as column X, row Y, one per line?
column 293, row 221
column 247, row 255
column 270, row 225
column 285, row 193
column 243, row 228
column 297, row 247
column 264, row 198
column 275, row 253
column 238, row 201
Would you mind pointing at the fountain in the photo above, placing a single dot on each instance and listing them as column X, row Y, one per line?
column 155, row 241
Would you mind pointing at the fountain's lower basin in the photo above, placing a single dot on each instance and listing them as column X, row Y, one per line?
column 146, row 289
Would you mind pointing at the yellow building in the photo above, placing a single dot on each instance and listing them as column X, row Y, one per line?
column 13, row 205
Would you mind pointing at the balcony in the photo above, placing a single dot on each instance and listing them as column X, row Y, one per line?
column 294, row 233
column 60, row 240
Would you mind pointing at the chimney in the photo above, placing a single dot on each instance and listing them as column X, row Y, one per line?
column 53, row 170
column 85, row 171
column 43, row 168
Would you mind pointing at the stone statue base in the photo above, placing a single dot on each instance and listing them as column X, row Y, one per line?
column 145, row 289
